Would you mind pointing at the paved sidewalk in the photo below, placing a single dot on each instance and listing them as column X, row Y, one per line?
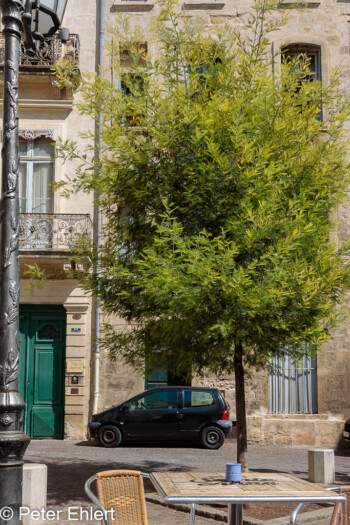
column 157, row 515
column 71, row 463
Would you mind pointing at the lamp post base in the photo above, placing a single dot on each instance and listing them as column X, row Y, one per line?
column 12, row 447
column 10, row 494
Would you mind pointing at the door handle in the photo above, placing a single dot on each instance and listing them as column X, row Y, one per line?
column 179, row 415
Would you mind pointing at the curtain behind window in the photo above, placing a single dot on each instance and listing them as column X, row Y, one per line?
column 42, row 189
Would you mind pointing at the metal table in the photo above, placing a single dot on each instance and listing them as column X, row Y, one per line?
column 205, row 487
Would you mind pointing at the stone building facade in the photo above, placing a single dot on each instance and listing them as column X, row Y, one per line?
column 56, row 318
column 305, row 406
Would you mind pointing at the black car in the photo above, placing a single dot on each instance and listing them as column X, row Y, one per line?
column 346, row 432
column 173, row 413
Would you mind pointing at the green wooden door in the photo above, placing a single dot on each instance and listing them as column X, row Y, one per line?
column 42, row 360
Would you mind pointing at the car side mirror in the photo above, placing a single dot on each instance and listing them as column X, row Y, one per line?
column 125, row 407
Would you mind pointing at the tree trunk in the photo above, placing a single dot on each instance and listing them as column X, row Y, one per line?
column 240, row 407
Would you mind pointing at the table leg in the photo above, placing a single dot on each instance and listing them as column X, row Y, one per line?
column 193, row 513
column 235, row 515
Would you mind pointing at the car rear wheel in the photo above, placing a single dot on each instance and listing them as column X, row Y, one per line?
column 109, row 436
column 212, row 437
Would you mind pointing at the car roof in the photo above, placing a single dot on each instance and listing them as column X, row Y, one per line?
column 174, row 387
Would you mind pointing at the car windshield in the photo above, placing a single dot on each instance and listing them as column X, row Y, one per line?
column 162, row 399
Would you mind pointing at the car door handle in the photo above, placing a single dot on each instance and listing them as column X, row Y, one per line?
column 179, row 415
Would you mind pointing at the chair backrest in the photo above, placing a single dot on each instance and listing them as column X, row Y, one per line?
column 341, row 513
column 122, row 493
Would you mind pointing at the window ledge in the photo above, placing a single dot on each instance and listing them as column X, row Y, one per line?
column 132, row 5
column 312, row 4
column 203, row 4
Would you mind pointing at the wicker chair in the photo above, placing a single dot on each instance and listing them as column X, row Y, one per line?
column 121, row 497
column 341, row 511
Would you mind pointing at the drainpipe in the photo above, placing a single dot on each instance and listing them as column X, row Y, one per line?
column 98, row 147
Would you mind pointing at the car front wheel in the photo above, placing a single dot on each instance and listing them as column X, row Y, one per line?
column 212, row 437
column 109, row 436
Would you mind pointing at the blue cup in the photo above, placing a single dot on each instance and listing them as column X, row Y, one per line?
column 234, row 472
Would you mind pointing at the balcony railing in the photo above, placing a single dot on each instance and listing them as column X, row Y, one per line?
column 51, row 52
column 52, row 232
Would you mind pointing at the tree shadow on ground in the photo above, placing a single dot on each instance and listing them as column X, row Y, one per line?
column 299, row 473
column 341, row 478
column 342, row 453
column 66, row 478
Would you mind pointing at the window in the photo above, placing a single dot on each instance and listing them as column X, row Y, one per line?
column 313, row 53
column 163, row 377
column 134, row 55
column 131, row 84
column 203, row 74
column 132, row 60
column 125, row 221
column 198, row 399
column 293, row 386
column 36, row 175
column 164, row 399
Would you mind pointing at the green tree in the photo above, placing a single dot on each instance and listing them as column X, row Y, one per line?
column 218, row 181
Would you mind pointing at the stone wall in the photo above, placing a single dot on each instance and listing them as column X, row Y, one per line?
column 314, row 430
column 118, row 382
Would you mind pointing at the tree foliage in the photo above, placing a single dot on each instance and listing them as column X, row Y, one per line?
column 218, row 182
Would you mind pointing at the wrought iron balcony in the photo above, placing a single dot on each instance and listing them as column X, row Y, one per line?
column 51, row 52
column 52, row 232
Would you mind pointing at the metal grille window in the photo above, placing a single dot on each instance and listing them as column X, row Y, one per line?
column 293, row 386
column 36, row 175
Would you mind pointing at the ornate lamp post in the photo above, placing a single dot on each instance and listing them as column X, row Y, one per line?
column 39, row 18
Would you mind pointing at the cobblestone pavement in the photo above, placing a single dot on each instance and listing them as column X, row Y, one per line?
column 71, row 463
